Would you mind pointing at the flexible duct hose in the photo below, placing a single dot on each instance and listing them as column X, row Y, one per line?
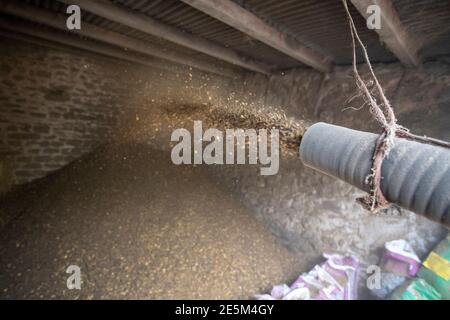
column 415, row 176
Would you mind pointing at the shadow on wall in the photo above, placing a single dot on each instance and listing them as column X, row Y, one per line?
column 58, row 105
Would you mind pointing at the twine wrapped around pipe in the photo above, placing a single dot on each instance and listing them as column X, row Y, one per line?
column 415, row 176
column 384, row 114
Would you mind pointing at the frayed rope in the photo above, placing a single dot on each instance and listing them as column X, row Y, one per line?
column 384, row 114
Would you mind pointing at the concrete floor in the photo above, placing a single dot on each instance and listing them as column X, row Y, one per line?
column 138, row 227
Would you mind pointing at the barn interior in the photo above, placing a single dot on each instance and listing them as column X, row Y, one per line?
column 86, row 117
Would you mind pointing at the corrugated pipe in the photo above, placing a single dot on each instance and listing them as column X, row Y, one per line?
column 415, row 175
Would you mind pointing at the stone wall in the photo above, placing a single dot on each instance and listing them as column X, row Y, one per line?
column 314, row 213
column 420, row 97
column 57, row 105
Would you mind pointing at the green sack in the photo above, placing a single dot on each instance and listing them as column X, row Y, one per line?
column 416, row 289
column 436, row 268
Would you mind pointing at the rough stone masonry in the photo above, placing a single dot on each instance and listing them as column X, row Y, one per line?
column 57, row 105
column 54, row 107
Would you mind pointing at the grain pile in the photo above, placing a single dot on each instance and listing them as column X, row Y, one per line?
column 138, row 227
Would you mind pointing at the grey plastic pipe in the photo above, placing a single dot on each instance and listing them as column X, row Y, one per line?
column 415, row 176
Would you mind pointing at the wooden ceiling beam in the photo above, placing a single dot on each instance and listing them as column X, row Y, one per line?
column 239, row 18
column 58, row 21
column 392, row 32
column 148, row 25
column 53, row 36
